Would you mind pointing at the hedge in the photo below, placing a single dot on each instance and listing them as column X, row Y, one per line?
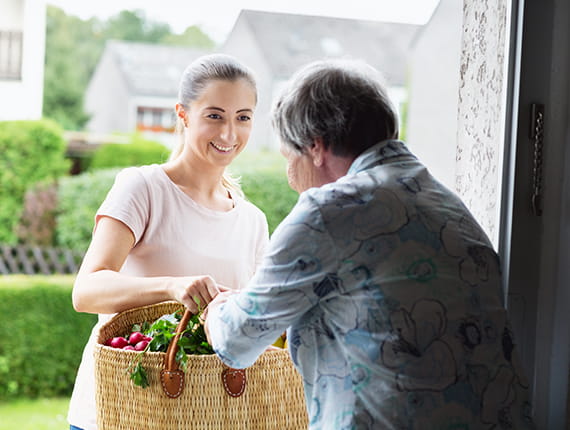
column 137, row 152
column 262, row 176
column 32, row 151
column 43, row 337
column 79, row 197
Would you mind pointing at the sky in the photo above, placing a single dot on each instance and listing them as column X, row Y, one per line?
column 216, row 18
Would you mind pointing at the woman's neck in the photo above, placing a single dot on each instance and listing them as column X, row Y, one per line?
column 202, row 183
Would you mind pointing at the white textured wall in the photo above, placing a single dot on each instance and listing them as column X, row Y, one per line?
column 480, row 125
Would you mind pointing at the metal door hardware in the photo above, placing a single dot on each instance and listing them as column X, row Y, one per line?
column 537, row 138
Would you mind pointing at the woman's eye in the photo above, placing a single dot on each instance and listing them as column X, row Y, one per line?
column 244, row 118
column 214, row 116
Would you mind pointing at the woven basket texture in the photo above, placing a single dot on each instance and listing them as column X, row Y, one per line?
column 273, row 397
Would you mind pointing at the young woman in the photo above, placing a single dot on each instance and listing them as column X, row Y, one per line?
column 177, row 231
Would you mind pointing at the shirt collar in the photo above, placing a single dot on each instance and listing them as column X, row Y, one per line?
column 378, row 154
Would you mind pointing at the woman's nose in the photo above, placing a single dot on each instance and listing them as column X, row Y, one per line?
column 228, row 132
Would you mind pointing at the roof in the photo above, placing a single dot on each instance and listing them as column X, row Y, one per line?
column 289, row 41
column 151, row 69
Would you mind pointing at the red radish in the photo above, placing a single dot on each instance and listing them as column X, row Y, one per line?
column 136, row 337
column 147, row 338
column 129, row 348
column 141, row 345
column 118, row 342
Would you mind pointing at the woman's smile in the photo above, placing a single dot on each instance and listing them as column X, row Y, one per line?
column 222, row 148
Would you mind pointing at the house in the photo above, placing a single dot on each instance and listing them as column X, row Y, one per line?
column 22, row 52
column 135, row 88
column 275, row 45
column 433, row 84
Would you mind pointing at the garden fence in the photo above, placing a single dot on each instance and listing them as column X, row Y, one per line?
column 35, row 260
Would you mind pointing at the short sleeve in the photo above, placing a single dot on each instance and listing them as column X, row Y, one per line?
column 128, row 201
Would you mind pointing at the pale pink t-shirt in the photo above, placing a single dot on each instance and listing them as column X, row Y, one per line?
column 174, row 236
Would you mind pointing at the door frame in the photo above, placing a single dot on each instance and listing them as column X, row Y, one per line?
column 536, row 249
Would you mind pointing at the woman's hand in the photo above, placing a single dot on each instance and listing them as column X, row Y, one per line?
column 195, row 292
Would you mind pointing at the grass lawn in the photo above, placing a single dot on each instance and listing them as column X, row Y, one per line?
column 38, row 414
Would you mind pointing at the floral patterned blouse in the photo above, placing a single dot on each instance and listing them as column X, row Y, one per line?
column 391, row 294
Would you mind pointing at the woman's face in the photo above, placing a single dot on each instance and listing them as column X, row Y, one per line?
column 301, row 173
column 219, row 121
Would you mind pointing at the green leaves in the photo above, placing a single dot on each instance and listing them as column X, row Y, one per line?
column 139, row 376
column 192, row 342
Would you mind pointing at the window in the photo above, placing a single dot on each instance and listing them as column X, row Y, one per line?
column 10, row 55
column 155, row 119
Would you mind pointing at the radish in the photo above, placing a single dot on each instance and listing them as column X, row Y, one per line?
column 129, row 348
column 136, row 337
column 141, row 345
column 118, row 342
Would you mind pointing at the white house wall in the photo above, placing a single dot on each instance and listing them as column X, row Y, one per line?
column 12, row 16
column 431, row 128
column 23, row 99
column 108, row 117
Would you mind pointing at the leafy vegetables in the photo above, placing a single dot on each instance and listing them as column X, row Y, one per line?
column 192, row 341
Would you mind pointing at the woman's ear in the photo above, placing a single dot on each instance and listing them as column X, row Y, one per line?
column 181, row 113
column 317, row 151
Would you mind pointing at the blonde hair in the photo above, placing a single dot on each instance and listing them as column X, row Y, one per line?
column 194, row 79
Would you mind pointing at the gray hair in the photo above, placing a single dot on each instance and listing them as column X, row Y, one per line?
column 343, row 102
column 194, row 80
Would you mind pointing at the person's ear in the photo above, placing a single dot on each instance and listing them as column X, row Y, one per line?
column 181, row 113
column 317, row 151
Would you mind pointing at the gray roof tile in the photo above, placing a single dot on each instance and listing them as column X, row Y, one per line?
column 151, row 69
column 289, row 41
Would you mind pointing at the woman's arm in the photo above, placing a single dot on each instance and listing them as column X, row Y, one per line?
column 100, row 288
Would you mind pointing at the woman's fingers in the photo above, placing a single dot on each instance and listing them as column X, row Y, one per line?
column 201, row 291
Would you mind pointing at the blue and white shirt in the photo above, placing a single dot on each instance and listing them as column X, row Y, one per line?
column 391, row 294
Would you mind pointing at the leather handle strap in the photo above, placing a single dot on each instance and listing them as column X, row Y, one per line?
column 172, row 378
column 170, row 358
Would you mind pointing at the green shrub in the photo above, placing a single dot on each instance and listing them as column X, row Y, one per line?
column 32, row 151
column 37, row 223
column 137, row 152
column 264, row 183
column 79, row 197
column 270, row 192
column 43, row 337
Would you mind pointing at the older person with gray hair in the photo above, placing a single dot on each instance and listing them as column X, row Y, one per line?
column 389, row 289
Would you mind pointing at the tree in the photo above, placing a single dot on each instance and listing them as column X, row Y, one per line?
column 72, row 50
column 134, row 26
column 192, row 36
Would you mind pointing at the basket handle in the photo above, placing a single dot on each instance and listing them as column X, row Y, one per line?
column 172, row 378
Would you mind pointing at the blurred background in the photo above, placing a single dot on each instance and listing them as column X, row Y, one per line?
column 88, row 88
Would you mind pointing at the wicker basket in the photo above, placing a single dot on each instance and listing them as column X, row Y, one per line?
column 272, row 399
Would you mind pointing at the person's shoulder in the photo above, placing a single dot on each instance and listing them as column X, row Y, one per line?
column 251, row 209
column 329, row 193
column 147, row 173
column 138, row 177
